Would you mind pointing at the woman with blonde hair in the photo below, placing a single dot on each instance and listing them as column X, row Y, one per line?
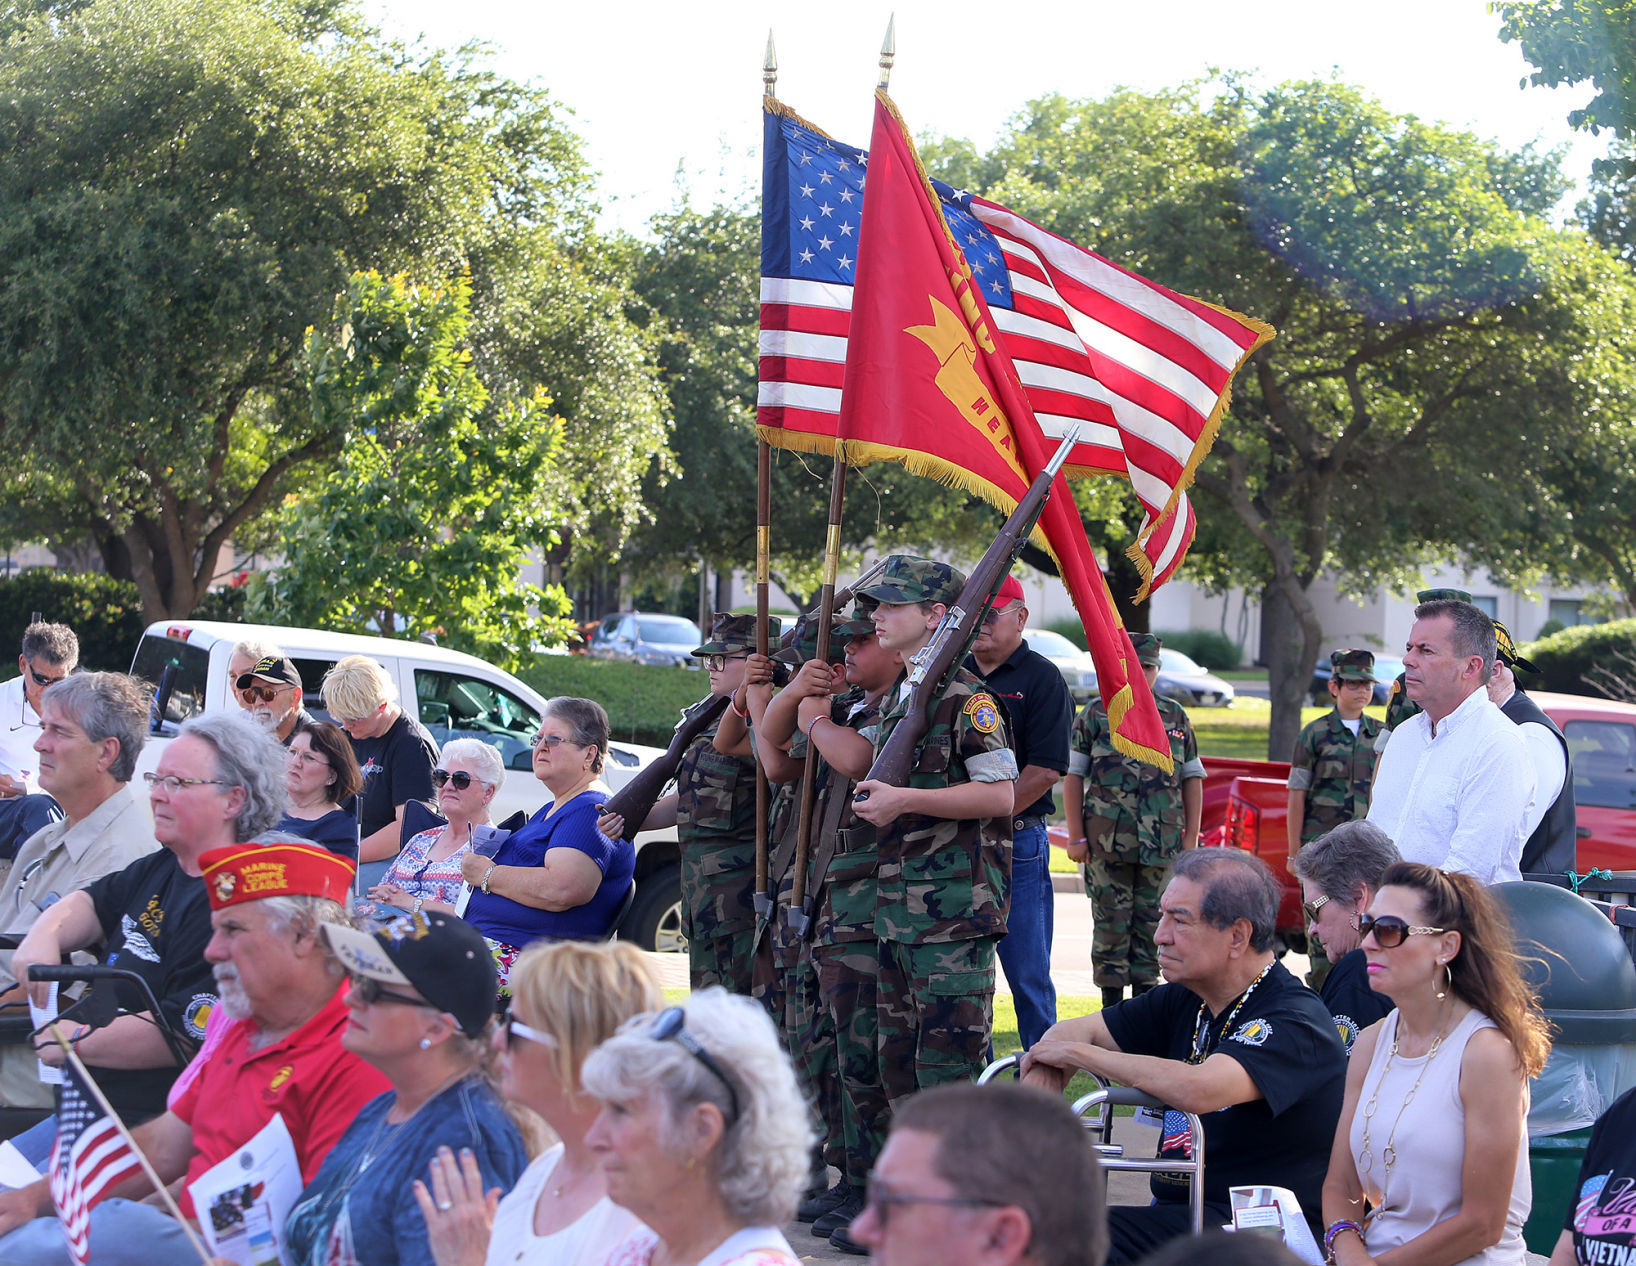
column 1430, row 1164
column 566, row 1000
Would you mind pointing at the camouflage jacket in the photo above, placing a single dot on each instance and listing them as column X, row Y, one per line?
column 845, row 906
column 715, row 823
column 1133, row 810
column 1399, row 707
column 939, row 879
column 1336, row 769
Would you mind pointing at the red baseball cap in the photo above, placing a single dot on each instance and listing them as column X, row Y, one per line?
column 1011, row 591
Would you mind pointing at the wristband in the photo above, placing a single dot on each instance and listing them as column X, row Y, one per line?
column 813, row 724
column 1334, row 1232
column 487, row 875
column 743, row 714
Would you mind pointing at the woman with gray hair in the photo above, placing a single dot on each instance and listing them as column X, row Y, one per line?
column 556, row 877
column 703, row 1134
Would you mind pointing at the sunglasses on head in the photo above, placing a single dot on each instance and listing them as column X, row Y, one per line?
column 460, row 778
column 516, row 1030
column 261, row 694
column 369, row 991
column 670, row 1025
column 718, row 663
column 1390, row 931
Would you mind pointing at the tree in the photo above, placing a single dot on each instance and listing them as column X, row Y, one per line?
column 423, row 522
column 1429, row 321
column 1575, row 41
column 185, row 187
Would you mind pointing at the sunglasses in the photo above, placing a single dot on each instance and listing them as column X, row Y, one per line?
column 993, row 614
column 515, row 1029
column 879, row 1197
column 1310, row 909
column 369, row 991
column 460, row 778
column 718, row 663
column 1390, row 931
column 261, row 694
column 552, row 741
column 670, row 1025
column 43, row 681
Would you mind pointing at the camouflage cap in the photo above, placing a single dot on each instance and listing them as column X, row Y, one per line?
column 1147, row 649
column 736, row 634
column 804, row 645
column 1352, row 665
column 911, row 579
column 1443, row 595
column 1505, row 650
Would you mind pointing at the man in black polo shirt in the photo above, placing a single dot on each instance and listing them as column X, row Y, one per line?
column 1231, row 1036
column 1040, row 714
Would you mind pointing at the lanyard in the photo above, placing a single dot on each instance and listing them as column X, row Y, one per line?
column 1201, row 1026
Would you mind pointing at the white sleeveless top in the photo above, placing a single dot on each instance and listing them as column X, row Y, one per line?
column 1425, row 1185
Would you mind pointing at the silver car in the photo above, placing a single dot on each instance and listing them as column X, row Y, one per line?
column 1077, row 667
column 643, row 637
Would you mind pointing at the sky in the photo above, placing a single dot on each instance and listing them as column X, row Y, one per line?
column 662, row 89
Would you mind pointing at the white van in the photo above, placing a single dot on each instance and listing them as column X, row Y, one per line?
column 452, row 694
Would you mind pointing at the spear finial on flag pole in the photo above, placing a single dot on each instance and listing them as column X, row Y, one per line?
column 888, row 50
column 769, row 67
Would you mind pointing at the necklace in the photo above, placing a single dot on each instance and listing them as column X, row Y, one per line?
column 1201, row 1026
column 1388, row 1154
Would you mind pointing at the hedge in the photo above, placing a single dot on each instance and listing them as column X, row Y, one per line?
column 644, row 701
column 1564, row 658
column 105, row 613
column 1209, row 648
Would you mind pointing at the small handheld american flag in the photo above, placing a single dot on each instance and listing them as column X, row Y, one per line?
column 90, row 1155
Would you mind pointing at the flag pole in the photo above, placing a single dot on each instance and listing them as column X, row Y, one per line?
column 141, row 1158
column 888, row 51
column 763, row 897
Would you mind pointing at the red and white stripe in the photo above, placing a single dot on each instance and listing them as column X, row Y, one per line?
column 97, row 1159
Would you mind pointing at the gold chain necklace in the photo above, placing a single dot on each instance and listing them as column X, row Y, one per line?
column 1388, row 1154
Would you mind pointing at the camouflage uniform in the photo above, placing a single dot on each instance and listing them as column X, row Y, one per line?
column 1336, row 769
column 943, row 887
column 1134, row 823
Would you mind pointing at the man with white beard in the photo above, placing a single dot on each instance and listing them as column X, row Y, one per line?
column 276, row 1048
column 268, row 687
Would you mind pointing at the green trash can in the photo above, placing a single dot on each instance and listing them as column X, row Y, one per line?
column 1578, row 964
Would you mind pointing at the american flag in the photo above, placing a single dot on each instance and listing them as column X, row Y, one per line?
column 1145, row 372
column 1177, row 1133
column 90, row 1155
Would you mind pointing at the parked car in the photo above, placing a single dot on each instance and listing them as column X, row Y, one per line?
column 646, row 638
column 452, row 694
column 1601, row 738
column 1077, row 667
column 1387, row 667
column 1186, row 682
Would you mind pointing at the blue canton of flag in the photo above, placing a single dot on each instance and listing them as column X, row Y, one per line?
column 981, row 247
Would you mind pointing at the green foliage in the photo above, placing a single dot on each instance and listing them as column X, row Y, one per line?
column 1574, row 41
column 1569, row 661
column 426, row 518
column 1210, row 648
column 105, row 614
column 643, row 701
column 1550, row 627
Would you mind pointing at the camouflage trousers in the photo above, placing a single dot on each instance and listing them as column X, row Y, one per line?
column 1319, row 961
column 785, row 981
column 725, row 959
column 935, row 1011
column 1125, row 912
column 846, row 975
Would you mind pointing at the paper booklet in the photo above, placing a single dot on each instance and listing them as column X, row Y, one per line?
column 241, row 1202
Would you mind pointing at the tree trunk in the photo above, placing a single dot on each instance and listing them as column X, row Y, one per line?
column 1290, row 645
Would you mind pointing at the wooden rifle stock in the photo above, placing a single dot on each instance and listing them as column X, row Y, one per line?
column 635, row 800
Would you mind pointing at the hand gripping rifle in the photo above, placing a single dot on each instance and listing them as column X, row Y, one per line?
column 932, row 668
column 635, row 800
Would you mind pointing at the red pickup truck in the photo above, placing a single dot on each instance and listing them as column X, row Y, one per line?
column 1601, row 738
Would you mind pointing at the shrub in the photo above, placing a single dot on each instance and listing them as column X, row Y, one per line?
column 643, row 701
column 1209, row 647
column 1548, row 628
column 1579, row 659
column 1071, row 629
column 105, row 613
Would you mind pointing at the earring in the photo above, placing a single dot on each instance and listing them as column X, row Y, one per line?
column 1449, row 972
column 426, row 1042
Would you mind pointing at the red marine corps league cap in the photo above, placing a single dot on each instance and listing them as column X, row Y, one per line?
column 252, row 872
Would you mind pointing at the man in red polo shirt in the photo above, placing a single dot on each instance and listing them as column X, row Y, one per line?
column 279, row 1050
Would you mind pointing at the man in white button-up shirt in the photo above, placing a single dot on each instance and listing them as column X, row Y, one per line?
column 1455, row 784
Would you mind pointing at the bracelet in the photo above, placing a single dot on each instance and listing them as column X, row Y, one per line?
column 1334, row 1232
column 743, row 714
column 419, row 902
column 813, row 724
column 487, row 875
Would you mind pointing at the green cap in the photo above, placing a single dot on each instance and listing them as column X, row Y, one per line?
column 911, row 579
column 1353, row 665
column 804, row 645
column 1443, row 595
column 736, row 634
column 1505, row 650
column 1147, row 649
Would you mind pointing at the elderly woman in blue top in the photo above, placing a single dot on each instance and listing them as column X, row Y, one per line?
column 557, row 877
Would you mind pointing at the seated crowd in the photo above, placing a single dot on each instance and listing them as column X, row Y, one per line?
column 423, row 1041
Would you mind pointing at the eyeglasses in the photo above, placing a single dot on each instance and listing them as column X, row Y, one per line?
column 460, row 778
column 553, row 741
column 1390, row 931
column 879, row 1197
column 43, row 681
column 515, row 1029
column 172, row 784
column 369, row 991
column 993, row 614
column 718, row 663
column 670, row 1025
column 1311, row 908
column 261, row 694
column 305, row 758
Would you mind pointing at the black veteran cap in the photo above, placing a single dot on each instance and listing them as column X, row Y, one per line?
column 442, row 958
column 275, row 670
column 736, row 634
column 1147, row 649
column 1353, row 665
column 1505, row 650
column 1443, row 595
column 911, row 579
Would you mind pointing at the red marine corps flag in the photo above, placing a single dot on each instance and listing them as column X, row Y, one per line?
column 927, row 384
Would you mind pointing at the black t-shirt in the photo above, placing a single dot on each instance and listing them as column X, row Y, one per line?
column 397, row 767
column 155, row 921
column 1602, row 1215
column 1354, row 1005
column 1039, row 714
column 1286, row 1041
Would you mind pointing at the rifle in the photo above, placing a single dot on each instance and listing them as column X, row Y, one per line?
column 635, row 800
column 932, row 667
